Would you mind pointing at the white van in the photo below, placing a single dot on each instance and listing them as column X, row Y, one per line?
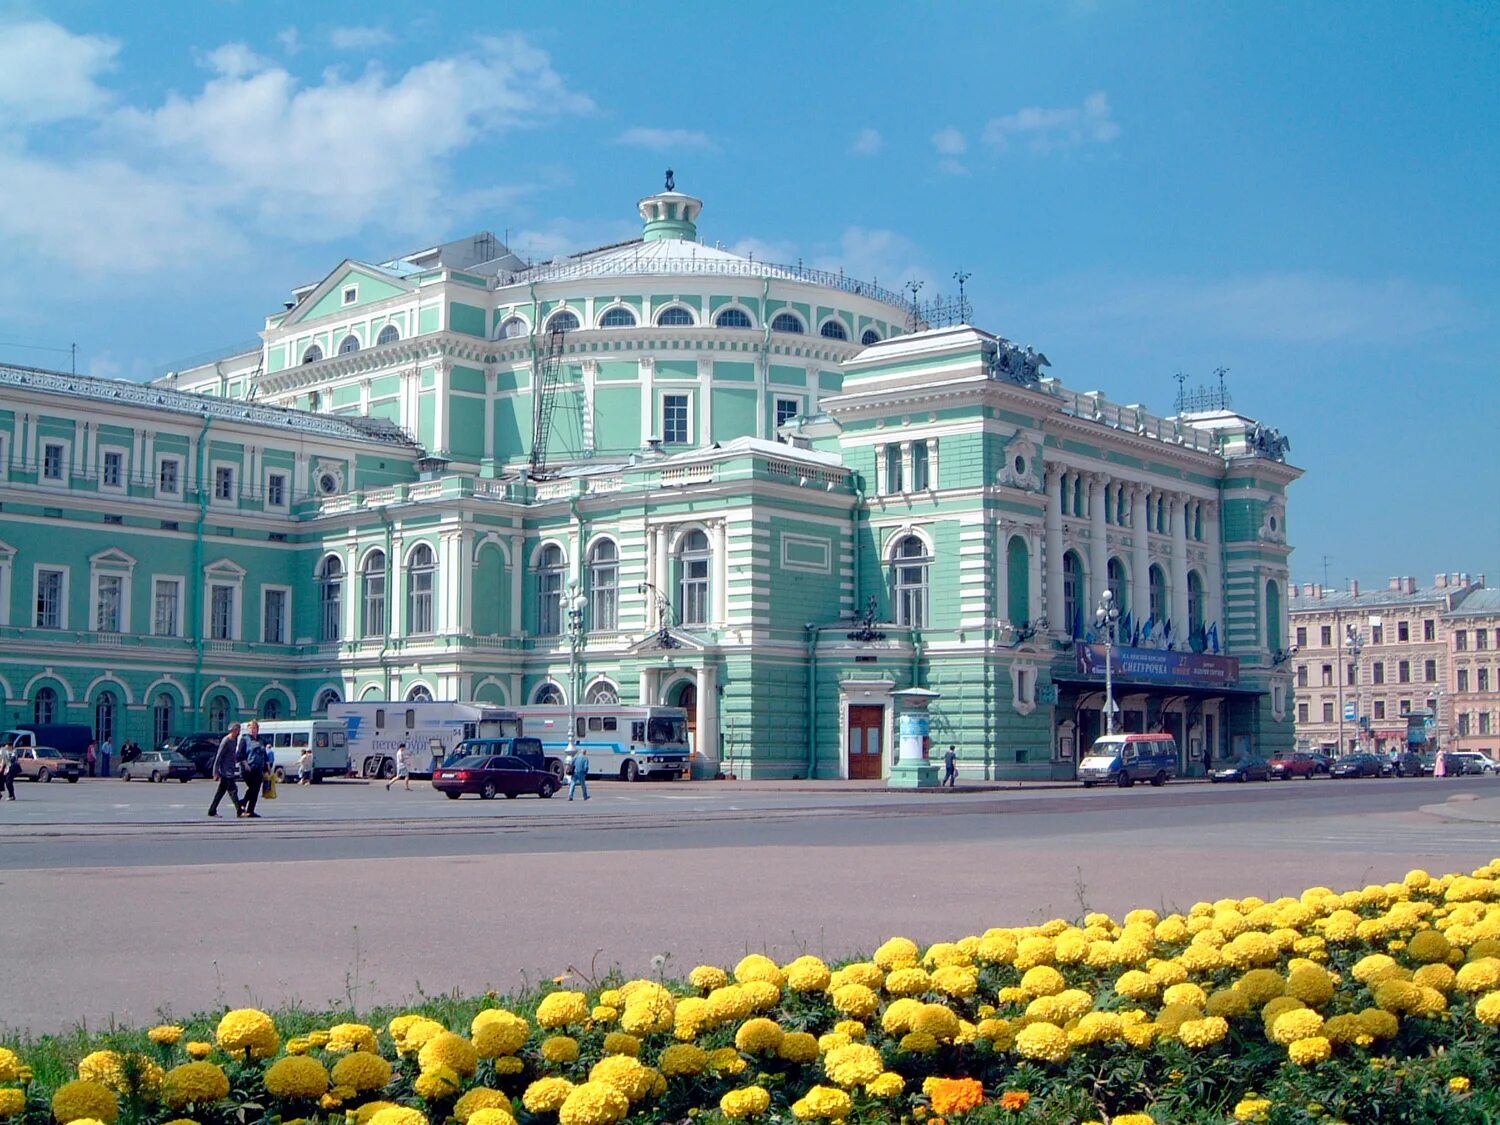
column 285, row 739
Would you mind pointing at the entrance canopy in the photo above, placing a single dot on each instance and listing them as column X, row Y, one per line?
column 1123, row 687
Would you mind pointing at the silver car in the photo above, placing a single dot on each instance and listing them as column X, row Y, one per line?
column 157, row 765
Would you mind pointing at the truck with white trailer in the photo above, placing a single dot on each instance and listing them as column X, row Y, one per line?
column 430, row 729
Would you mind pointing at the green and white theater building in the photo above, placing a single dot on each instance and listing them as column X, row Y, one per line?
column 785, row 498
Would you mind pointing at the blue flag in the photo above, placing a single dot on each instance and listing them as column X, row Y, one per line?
column 1213, row 638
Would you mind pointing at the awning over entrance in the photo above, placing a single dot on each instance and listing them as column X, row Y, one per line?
column 1156, row 687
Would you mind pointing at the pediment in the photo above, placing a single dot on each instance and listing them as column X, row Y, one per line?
column 678, row 640
column 326, row 299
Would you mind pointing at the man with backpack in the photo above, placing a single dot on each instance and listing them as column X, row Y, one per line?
column 252, row 756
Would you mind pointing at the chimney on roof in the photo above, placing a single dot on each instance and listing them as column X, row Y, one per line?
column 1395, row 584
column 1464, row 578
column 1411, row 584
column 1441, row 581
column 1354, row 586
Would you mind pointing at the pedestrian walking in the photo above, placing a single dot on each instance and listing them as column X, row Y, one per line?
column 10, row 765
column 578, row 773
column 1440, row 764
column 950, row 768
column 403, row 768
column 89, row 759
column 225, row 772
column 305, row 767
column 252, row 754
column 106, row 752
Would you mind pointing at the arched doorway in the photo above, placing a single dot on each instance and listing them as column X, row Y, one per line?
column 687, row 698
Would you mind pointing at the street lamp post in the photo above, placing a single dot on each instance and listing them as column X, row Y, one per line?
column 1107, row 618
column 1355, row 642
column 577, row 602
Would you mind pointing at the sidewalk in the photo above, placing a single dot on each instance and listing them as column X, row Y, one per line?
column 1466, row 806
column 879, row 785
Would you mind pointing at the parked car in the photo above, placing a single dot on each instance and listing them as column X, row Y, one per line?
column 1299, row 763
column 43, row 763
column 158, row 765
column 199, row 749
column 1408, row 763
column 1242, row 769
column 1359, row 765
column 1469, row 761
column 491, row 776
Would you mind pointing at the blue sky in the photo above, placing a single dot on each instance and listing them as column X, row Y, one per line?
column 1306, row 195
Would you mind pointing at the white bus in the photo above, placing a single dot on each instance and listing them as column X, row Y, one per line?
column 429, row 729
column 285, row 739
column 622, row 741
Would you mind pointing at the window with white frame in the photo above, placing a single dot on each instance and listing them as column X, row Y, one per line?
column 166, row 608
column 330, row 599
column 161, row 718
column 109, row 596
column 274, row 601
column 674, row 316
column 372, row 578
column 421, row 571
column 223, row 482
column 549, row 694
column 312, row 354
column 112, row 469
column 910, row 562
column 388, row 335
column 169, row 476
column 51, row 598
column 218, row 711
column 221, row 611
column 869, row 336
column 549, row 584
column 674, row 419
column 603, row 693
column 833, row 330
column 733, row 318
column 604, row 585
column 564, row 321
column 617, row 317
column 349, row 344
column 921, row 468
column 54, row 457
column 45, row 707
column 512, row 327
column 694, row 556
column 893, row 473
column 786, row 410
column 4, row 464
column 276, row 490
column 787, row 322
column 351, row 294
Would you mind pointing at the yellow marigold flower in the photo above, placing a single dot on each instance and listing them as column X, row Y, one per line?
column 751, row 1101
column 683, row 1059
column 1133, row 1119
column 758, row 1036
column 1033, row 951
column 194, row 1083
column 648, row 1016
column 729, row 1003
column 1252, row 1109
column 853, row 1065
column 807, row 974
column 1487, row 1010
column 437, row 1084
column 1043, row 1041
column 249, row 1029
column 165, row 1034
column 397, row 1115
column 1398, row 996
column 1228, row 1002
column 1070, row 948
column 1136, row 984
column 997, row 947
column 625, row 1074
column 198, row 1050
column 1441, row 977
column 559, row 1049
column 497, row 1032
column 944, row 953
column 362, row 1072
column 509, row 1064
column 1139, row 1035
column 346, row 1037
column 757, row 966
column 919, row 1042
column 798, row 1047
column 1374, row 968
column 298, row 1045
column 725, row 1060
column 1261, row 985
column 85, row 1098
column 1198, row 1034
column 856, row 1000
column 997, row 1032
column 489, row 1115
column 558, row 1009
column 897, row 953
column 12, row 1101
column 620, row 1043
column 362, row 1115
column 886, row 1084
column 411, row 1032
column 907, row 981
column 1482, row 975
column 450, row 1050
column 297, row 1077
column 1043, row 980
column 761, row 995
column 1306, row 1052
column 1167, row 973
column 546, row 1095
column 1459, row 1084
column 114, row 1070
column 937, row 1021
column 478, row 1098
column 825, row 1102
column 708, row 977
column 1310, row 984
column 1093, row 1027
column 1185, row 993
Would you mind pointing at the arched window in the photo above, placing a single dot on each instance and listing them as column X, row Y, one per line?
column 1275, row 632
column 1159, row 604
column 733, row 318
column 909, row 565
column 617, row 317
column 548, row 693
column 1073, row 593
column 326, row 698
column 694, row 556
column 271, row 708
column 833, row 330
column 787, row 322
column 1119, row 585
column 564, row 321
column 218, row 712
column 1195, row 605
column 869, row 336
column 549, row 584
column 421, row 569
column 602, row 693
column 330, row 599
column 105, row 712
column 604, row 585
column 349, row 345
column 388, row 335
column 373, row 594
column 512, row 327
column 161, row 719
column 44, row 706
column 419, row 694
column 313, row 354
column 1018, row 581
column 674, row 316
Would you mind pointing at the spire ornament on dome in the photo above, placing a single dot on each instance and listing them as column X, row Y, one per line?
column 671, row 183
column 670, row 214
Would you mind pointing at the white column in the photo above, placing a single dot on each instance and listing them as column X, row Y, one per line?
column 489, row 414
column 364, row 397
column 1098, row 539
column 440, row 385
column 647, row 696
column 517, row 571
column 720, row 586
column 349, row 605
column 1213, row 581
column 662, row 565
column 705, row 401
column 1177, row 513
column 1140, row 556
column 708, row 714
column 590, row 382
column 1053, row 549
column 648, row 398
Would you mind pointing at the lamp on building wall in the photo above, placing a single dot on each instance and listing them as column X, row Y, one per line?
column 1281, row 656
column 664, row 638
column 1107, row 618
column 577, row 603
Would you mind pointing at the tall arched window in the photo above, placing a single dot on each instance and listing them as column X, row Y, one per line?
column 548, row 694
column 421, row 571
column 869, row 336
column 512, row 327
column 373, row 594
column 161, row 719
column 44, row 706
column 218, row 712
column 326, row 698
column 1159, row 604
column 787, row 322
column 1119, row 585
column 1195, row 603
column 330, row 599
column 564, row 321
column 419, row 694
column 734, row 318
column 833, row 330
column 1018, row 581
column 694, row 556
column 549, row 584
column 603, row 692
column 1073, row 593
column 604, row 585
column 617, row 317
column 105, row 713
column 313, row 354
column 910, row 562
column 271, row 707
column 1275, row 631
column 349, row 345
column 674, row 316
column 388, row 335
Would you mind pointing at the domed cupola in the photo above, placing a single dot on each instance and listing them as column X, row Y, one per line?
column 670, row 214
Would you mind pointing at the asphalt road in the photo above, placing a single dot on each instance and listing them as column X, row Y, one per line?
column 350, row 895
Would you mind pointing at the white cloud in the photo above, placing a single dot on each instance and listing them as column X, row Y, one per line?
column 1043, row 129
column 883, row 257
column 290, row 39
column 782, row 252
column 665, row 140
column 359, row 38
column 234, row 60
column 950, row 142
column 868, row 142
column 952, row 167
column 48, row 74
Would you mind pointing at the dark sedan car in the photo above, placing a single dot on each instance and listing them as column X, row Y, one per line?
column 1358, row 765
column 1242, row 769
column 198, row 748
column 1408, row 763
column 491, row 776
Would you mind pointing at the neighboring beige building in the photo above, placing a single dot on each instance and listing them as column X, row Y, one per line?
column 1474, row 682
column 1363, row 660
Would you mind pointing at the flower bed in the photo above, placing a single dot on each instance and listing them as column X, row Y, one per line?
column 1372, row 1005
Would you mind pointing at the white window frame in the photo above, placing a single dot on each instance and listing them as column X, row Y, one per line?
column 111, row 564
column 176, row 460
column 797, row 401
column 4, row 462
column 350, row 294
column 232, row 500
column 235, row 609
column 429, row 595
column 105, row 451
column 224, row 573
column 64, row 462
column 7, row 567
column 286, row 613
column 286, row 490
column 662, row 414
column 157, row 581
column 64, row 593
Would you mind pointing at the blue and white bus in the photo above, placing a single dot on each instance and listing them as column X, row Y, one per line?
column 622, row 741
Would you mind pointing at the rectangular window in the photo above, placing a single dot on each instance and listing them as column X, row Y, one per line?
column 1377, row 673
column 221, row 613
column 167, row 476
column 1328, row 712
column 920, row 466
column 1325, row 635
column 1403, row 672
column 786, row 410
column 1302, row 712
column 1301, row 636
column 1429, row 629
column 1380, row 708
column 111, row 473
column 52, row 461
column 1328, row 675
column 1302, row 675
column 1351, row 675
column 1463, row 679
column 1481, row 639
column 1429, row 671
column 273, row 629
column 893, row 481
column 223, row 483
column 1406, row 706
column 1461, row 640
column 674, row 419
column 276, row 490
column 351, row 295
column 1484, row 679
column 1403, row 631
column 1377, row 634
column 1484, row 722
column 49, row 599
column 1463, row 724
column 165, row 621
column 107, row 607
